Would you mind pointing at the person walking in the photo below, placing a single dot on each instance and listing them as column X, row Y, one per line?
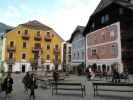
column 33, row 86
column 2, row 77
column 55, row 76
column 8, row 83
column 26, row 81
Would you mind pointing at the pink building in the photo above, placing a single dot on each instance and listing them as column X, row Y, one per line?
column 103, row 47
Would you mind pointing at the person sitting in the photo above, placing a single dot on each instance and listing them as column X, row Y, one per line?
column 116, row 77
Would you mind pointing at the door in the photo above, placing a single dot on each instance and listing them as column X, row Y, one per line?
column 23, row 68
column 10, row 68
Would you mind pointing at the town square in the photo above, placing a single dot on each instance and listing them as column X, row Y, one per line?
column 66, row 49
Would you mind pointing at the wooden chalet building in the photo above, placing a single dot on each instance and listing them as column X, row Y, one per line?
column 108, row 13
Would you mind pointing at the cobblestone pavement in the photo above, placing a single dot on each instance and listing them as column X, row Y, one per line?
column 45, row 94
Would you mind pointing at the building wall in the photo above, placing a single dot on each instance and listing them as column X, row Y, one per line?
column 67, row 56
column 16, row 36
column 78, row 49
column 1, row 60
column 103, row 46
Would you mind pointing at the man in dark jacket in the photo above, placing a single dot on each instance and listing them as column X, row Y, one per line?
column 33, row 86
column 26, row 81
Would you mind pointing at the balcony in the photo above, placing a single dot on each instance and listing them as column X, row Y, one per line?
column 37, row 37
column 10, row 61
column 34, row 61
column 11, row 48
column 48, row 38
column 37, row 61
column 25, row 36
column 36, row 49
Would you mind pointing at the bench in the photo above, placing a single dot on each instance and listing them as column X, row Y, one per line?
column 43, row 83
column 68, row 86
column 96, row 89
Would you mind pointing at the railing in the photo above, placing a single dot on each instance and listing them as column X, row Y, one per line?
column 11, row 48
column 36, row 49
column 25, row 36
column 36, row 61
column 48, row 38
column 10, row 60
column 37, row 37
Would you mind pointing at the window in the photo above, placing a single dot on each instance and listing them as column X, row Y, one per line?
column 93, row 25
column 26, row 32
column 121, row 11
column 74, row 55
column 37, row 45
column 24, row 44
column 11, row 43
column 48, row 57
column 11, row 55
column 112, row 35
column 103, row 36
column 23, row 56
column 48, row 47
column 104, row 18
column 48, row 33
column 56, row 46
column 93, row 52
column 38, row 33
column 18, row 32
column 78, row 54
column 114, row 50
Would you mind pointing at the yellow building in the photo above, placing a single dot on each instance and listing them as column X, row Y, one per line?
column 31, row 46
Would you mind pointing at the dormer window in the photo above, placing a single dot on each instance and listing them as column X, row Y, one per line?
column 104, row 18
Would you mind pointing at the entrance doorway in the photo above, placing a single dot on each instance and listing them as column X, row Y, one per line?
column 23, row 68
column 10, row 68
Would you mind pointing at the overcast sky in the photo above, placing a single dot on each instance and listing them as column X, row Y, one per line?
column 61, row 15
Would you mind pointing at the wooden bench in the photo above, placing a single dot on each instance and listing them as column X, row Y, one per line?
column 96, row 89
column 68, row 86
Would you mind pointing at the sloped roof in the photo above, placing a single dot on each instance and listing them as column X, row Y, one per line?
column 79, row 29
column 36, row 24
column 104, row 3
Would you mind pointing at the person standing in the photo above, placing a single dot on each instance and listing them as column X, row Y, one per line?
column 8, row 83
column 116, row 76
column 55, row 76
column 26, row 81
column 33, row 86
